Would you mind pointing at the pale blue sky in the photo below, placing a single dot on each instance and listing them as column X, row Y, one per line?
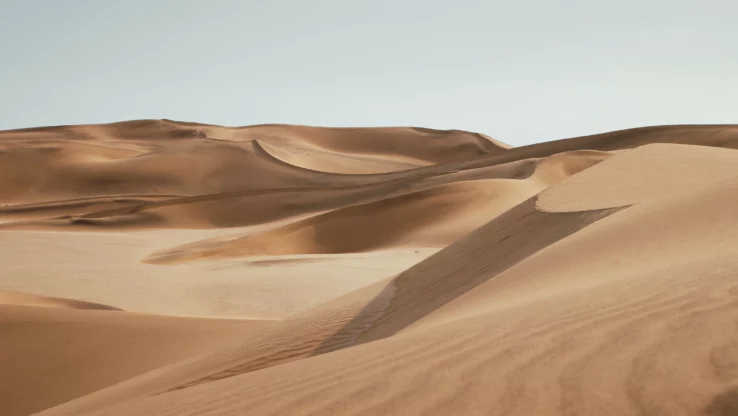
column 520, row 71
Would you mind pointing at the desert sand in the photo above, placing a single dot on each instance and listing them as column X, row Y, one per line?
column 157, row 267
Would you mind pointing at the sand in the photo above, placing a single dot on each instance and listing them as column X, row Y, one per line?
column 172, row 268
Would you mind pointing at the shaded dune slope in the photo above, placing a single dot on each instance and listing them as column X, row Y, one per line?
column 231, row 172
column 66, row 349
column 592, row 275
column 243, row 208
column 485, row 312
column 371, row 150
column 151, row 157
column 26, row 299
column 449, row 207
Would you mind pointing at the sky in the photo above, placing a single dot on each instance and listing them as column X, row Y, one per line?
column 520, row 71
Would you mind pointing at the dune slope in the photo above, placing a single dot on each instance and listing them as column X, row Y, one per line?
column 64, row 349
column 401, row 271
column 465, row 334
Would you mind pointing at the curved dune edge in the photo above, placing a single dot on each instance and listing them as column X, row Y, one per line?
column 370, row 150
column 406, row 331
column 435, row 215
column 182, row 141
column 374, row 165
column 63, row 351
column 249, row 208
column 292, row 339
column 557, row 263
column 75, row 161
column 27, row 299
column 144, row 136
column 373, row 318
column 356, row 318
column 617, row 181
column 378, row 318
column 621, row 324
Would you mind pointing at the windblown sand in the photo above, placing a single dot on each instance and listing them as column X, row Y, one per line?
column 156, row 267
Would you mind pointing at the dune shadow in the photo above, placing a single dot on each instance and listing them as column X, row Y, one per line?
column 483, row 254
column 724, row 404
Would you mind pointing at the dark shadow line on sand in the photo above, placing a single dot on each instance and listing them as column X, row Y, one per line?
column 509, row 239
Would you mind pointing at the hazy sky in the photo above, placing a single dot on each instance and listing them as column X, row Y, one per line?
column 520, row 71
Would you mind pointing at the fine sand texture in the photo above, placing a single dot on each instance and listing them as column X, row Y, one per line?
column 157, row 267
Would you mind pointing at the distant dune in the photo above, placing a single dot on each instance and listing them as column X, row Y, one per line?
column 156, row 267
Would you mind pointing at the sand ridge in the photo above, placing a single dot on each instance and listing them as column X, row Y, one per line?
column 402, row 271
column 56, row 350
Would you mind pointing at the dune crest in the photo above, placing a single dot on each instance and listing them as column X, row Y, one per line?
column 27, row 299
column 278, row 269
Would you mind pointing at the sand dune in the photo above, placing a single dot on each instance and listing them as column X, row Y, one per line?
column 234, row 209
column 52, row 355
column 370, row 271
column 451, row 207
column 27, row 299
column 107, row 268
column 150, row 157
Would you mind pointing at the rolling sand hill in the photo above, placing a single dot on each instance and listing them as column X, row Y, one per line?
column 156, row 267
